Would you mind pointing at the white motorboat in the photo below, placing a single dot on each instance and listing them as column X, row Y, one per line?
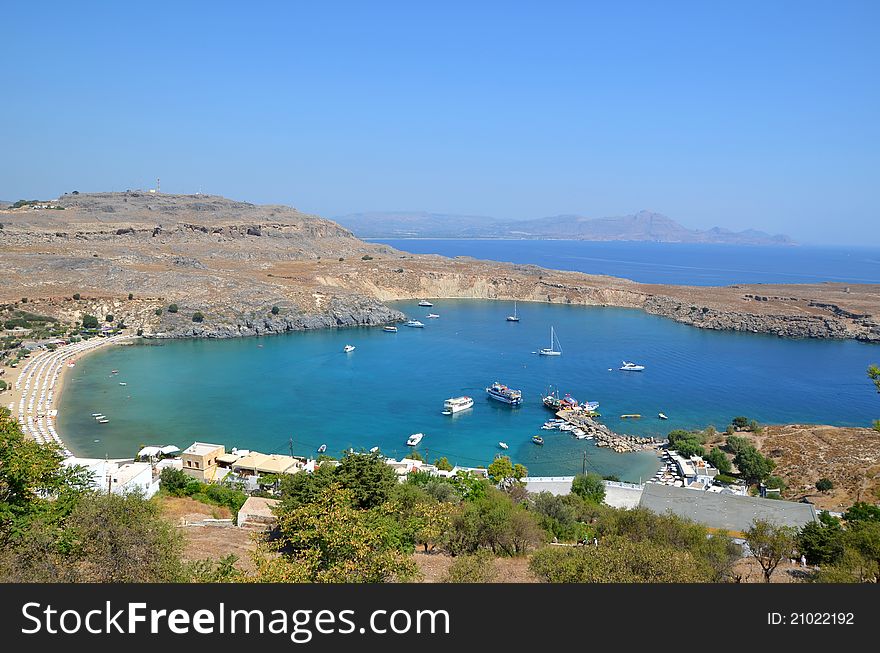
column 348, row 348
column 122, row 383
column 390, row 329
column 551, row 351
column 322, row 448
column 631, row 367
column 425, row 302
column 374, row 449
column 103, row 420
column 503, row 445
column 414, row 439
column 662, row 416
column 432, row 315
column 514, row 317
column 415, row 324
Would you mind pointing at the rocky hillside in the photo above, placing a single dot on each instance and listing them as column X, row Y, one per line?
column 249, row 269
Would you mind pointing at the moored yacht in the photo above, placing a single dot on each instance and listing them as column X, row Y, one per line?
column 414, row 439
column 390, row 329
column 631, row 367
column 456, row 404
column 425, row 302
column 502, row 393
column 415, row 324
column 514, row 317
column 551, row 351
column 348, row 348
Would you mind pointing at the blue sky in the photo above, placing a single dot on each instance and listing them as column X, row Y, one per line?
column 739, row 114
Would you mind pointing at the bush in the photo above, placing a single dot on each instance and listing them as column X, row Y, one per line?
column 198, row 317
column 589, row 486
column 366, row 257
column 3, row 385
column 174, row 481
column 109, row 317
column 725, row 478
column 89, row 322
column 172, row 308
column 275, row 310
column 477, row 568
column 717, row 458
column 824, row 485
column 158, row 311
column 740, row 422
column 130, row 296
column 76, row 296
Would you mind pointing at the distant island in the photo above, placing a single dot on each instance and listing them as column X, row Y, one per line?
column 642, row 226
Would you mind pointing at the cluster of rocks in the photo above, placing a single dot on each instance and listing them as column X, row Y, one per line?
column 605, row 437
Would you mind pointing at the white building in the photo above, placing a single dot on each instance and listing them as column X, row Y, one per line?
column 119, row 477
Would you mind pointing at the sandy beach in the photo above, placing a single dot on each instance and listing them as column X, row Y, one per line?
column 38, row 383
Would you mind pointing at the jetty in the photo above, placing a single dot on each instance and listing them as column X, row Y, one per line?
column 605, row 437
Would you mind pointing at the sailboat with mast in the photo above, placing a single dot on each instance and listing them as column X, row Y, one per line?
column 514, row 317
column 551, row 350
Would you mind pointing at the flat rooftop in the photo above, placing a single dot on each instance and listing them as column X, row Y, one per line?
column 201, row 448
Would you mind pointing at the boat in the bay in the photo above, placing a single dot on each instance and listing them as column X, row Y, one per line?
column 97, row 415
column 414, row 439
column 322, row 448
column 551, row 350
column 554, row 402
column 503, row 445
column 348, row 348
column 662, row 416
column 374, row 449
column 415, row 324
column 514, row 317
column 500, row 392
column 122, row 383
column 630, row 416
column 537, row 439
column 432, row 315
column 390, row 329
column 631, row 367
column 456, row 404
column 425, row 302
column 103, row 420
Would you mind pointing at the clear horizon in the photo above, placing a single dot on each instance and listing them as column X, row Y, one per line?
column 747, row 116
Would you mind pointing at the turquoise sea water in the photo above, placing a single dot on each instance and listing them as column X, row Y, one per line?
column 257, row 393
column 675, row 263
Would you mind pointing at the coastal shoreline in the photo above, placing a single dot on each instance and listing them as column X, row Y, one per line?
column 66, row 353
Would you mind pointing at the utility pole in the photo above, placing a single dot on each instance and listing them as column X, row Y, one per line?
column 584, row 465
column 290, row 446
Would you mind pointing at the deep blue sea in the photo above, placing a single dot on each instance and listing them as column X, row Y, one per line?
column 673, row 263
column 257, row 393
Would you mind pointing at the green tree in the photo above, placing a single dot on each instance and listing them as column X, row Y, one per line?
column 368, row 478
column 502, row 469
column 822, row 542
column 330, row 540
column 740, row 422
column 862, row 512
column 33, row 483
column 172, row 308
column 275, row 310
column 130, row 296
column 752, row 466
column 123, row 539
column 824, row 485
column 443, row 464
column 89, row 322
column 299, row 489
column 109, row 317
column 874, row 375
column 158, row 311
column 174, row 481
column 770, row 544
column 719, row 460
column 198, row 316
column 76, row 296
column 589, row 486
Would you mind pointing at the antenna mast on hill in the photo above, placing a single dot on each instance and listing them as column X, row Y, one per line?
column 158, row 188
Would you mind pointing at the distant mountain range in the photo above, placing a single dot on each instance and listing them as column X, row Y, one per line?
column 641, row 226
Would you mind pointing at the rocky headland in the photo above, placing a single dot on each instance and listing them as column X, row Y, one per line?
column 252, row 270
